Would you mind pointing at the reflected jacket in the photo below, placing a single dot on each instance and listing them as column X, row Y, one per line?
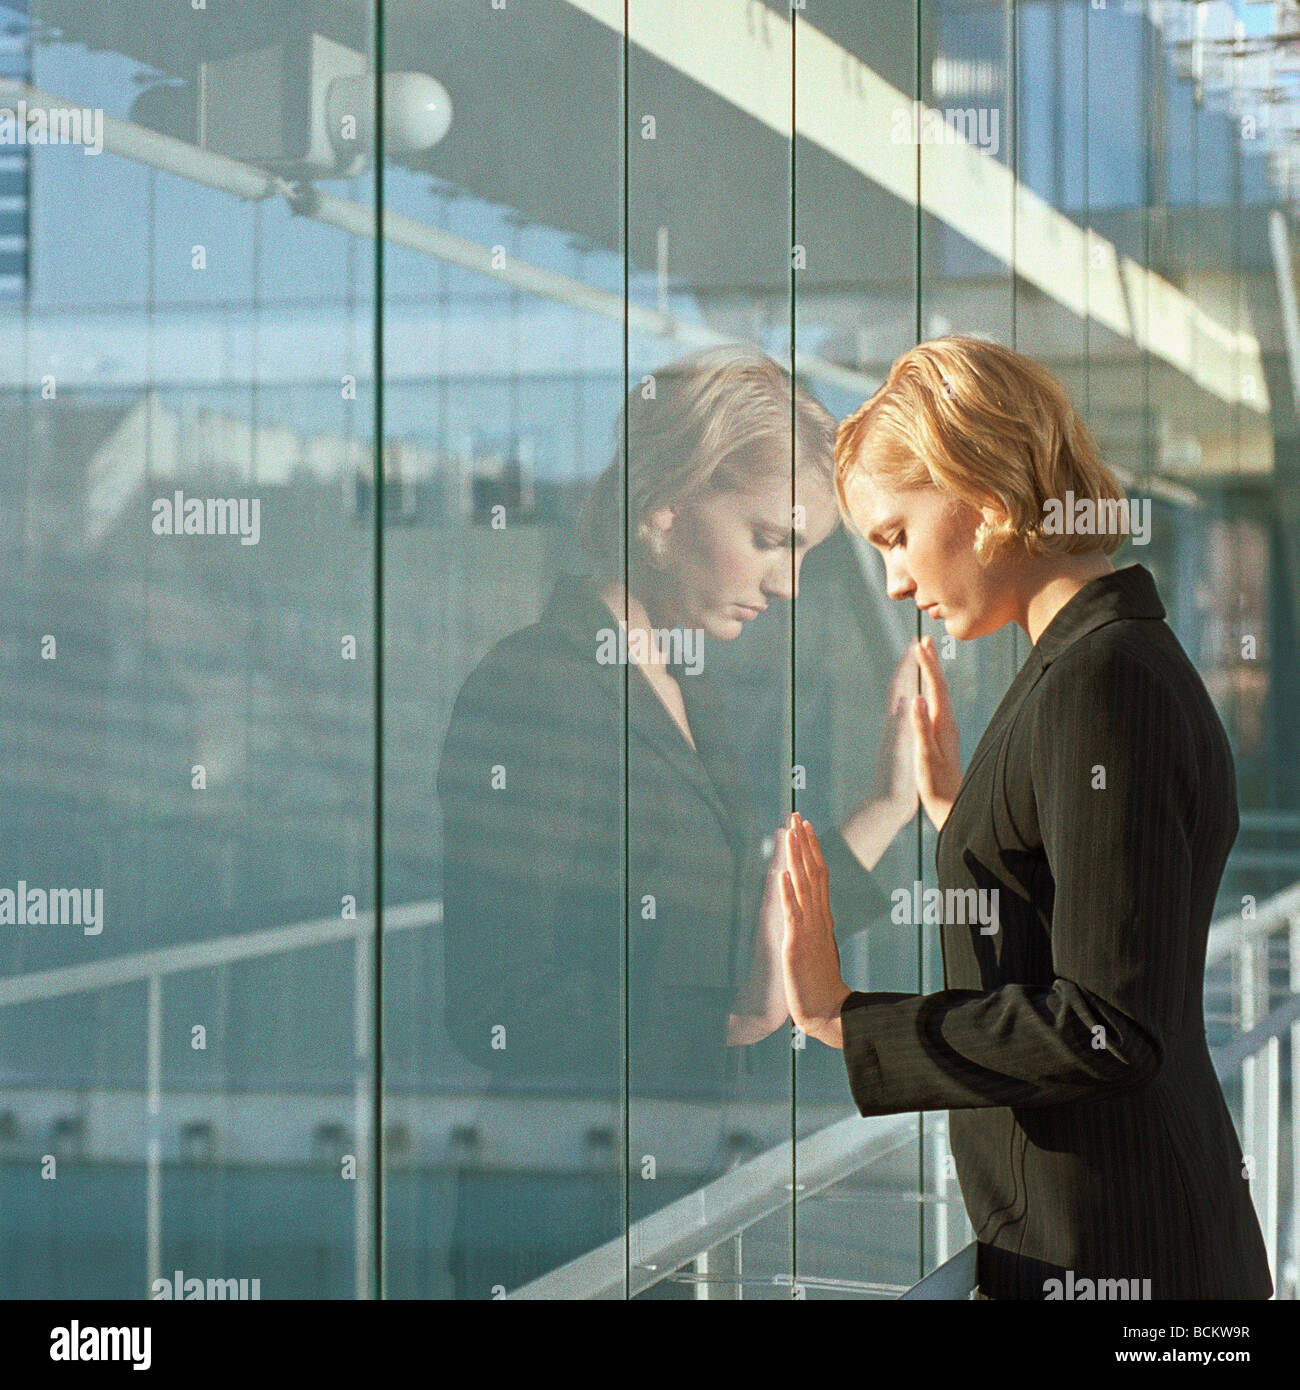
column 1088, row 1129
column 601, row 877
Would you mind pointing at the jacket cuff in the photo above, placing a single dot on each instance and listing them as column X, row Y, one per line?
column 867, row 1080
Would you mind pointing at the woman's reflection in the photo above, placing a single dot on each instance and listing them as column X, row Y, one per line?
column 612, row 926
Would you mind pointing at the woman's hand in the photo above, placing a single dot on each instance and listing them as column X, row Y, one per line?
column 814, row 988
column 936, row 741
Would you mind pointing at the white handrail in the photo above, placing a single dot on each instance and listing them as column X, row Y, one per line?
column 197, row 955
column 1230, row 933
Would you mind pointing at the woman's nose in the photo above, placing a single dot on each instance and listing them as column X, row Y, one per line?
column 782, row 579
column 898, row 583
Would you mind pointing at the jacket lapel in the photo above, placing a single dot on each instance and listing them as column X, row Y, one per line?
column 712, row 767
column 1127, row 593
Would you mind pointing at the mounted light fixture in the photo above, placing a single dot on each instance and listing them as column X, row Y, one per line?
column 302, row 108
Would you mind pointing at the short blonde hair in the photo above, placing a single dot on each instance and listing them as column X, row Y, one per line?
column 713, row 420
column 987, row 425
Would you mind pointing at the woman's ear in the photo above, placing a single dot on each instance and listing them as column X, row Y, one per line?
column 662, row 519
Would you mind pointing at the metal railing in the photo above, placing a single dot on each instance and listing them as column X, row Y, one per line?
column 704, row 1229
column 152, row 967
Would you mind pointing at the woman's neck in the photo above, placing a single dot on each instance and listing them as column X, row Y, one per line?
column 625, row 605
column 1062, row 577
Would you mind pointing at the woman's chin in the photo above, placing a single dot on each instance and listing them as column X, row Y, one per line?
column 723, row 628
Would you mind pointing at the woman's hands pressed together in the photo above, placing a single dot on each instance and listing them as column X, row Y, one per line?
column 814, row 988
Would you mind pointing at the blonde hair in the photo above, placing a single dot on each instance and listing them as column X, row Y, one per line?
column 714, row 420
column 987, row 425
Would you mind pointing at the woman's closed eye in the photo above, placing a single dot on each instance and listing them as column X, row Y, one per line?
column 771, row 542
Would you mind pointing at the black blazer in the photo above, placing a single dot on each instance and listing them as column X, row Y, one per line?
column 1088, row 1128
column 547, row 902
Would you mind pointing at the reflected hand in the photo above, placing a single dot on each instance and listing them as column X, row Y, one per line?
column 895, row 777
column 760, row 1007
column 936, row 740
column 814, row 987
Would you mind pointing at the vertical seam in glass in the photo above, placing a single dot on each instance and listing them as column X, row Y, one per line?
column 1086, row 213
column 1150, row 52
column 794, row 605
column 1013, row 111
column 626, row 1183
column 377, row 982
column 918, row 91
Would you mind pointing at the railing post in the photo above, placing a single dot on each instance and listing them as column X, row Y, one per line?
column 1294, row 1264
column 361, row 1112
column 153, row 1135
column 720, row 1270
column 1259, row 1091
column 938, row 1185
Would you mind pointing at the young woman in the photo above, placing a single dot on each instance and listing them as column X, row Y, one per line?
column 1088, row 1128
column 611, row 926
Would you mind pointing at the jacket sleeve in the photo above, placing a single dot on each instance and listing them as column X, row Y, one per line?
column 520, row 782
column 1113, row 771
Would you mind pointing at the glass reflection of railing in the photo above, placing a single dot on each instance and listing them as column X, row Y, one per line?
column 150, row 968
column 700, row 1237
column 1253, row 973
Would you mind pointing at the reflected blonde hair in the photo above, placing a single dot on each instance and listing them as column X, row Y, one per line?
column 715, row 420
column 987, row 425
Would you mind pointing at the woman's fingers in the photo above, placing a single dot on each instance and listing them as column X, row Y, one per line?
column 790, row 902
column 798, row 870
column 933, row 682
column 936, row 773
column 819, row 873
column 807, row 867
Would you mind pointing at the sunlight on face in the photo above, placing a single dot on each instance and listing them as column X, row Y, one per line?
column 728, row 553
column 926, row 540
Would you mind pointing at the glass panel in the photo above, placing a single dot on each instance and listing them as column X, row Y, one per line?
column 189, row 740
column 855, row 311
column 504, row 729
column 708, row 476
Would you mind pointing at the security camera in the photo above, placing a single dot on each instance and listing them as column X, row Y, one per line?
column 303, row 108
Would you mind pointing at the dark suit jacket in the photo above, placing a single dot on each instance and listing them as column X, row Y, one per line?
column 546, row 899
column 1088, row 1128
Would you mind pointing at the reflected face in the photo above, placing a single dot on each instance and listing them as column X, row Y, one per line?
column 926, row 539
column 727, row 554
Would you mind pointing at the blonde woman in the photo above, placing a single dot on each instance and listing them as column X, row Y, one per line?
column 1090, row 1134
column 611, row 924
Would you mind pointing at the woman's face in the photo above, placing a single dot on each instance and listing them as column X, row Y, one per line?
column 727, row 553
column 927, row 541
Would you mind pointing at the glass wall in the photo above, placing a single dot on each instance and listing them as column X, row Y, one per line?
column 382, row 920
